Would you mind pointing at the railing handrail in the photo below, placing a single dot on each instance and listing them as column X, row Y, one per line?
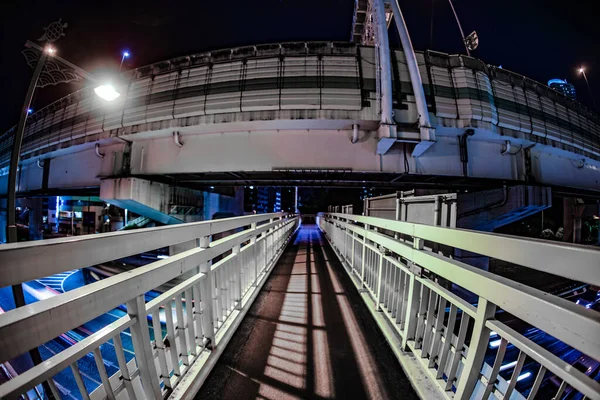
column 578, row 326
column 407, row 285
column 554, row 364
column 557, row 257
column 201, row 311
column 175, row 64
column 51, row 317
column 42, row 372
column 25, row 261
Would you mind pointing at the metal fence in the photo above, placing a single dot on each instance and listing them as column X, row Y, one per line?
column 201, row 313
column 346, row 209
column 417, row 297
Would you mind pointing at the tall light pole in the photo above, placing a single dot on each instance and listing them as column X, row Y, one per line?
column 41, row 78
column 471, row 42
column 41, row 57
column 462, row 34
column 582, row 71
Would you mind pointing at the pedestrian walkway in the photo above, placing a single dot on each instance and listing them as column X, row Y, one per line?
column 308, row 335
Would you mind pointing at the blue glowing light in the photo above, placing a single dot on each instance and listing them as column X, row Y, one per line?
column 125, row 54
column 557, row 81
column 524, row 376
column 508, row 366
column 29, row 110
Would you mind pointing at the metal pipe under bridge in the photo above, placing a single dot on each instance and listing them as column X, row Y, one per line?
column 268, row 307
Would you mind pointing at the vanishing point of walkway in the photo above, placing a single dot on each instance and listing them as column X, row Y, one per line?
column 308, row 335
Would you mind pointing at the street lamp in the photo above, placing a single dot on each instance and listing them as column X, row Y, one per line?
column 107, row 92
column 582, row 72
column 125, row 55
column 472, row 41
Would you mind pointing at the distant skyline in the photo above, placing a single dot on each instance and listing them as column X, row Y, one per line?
column 536, row 38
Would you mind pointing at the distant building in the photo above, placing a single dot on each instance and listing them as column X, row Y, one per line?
column 288, row 199
column 562, row 86
column 262, row 199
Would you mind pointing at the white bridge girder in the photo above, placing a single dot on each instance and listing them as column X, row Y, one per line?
column 313, row 149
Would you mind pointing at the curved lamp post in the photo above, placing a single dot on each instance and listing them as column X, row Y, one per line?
column 69, row 72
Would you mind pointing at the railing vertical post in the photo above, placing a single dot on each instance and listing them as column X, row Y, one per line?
column 237, row 276
column 254, row 255
column 412, row 306
column 364, row 253
column 345, row 250
column 477, row 349
column 270, row 235
column 207, row 293
column 352, row 262
column 397, row 216
column 412, row 309
column 379, row 282
column 266, row 252
column 280, row 234
column 136, row 308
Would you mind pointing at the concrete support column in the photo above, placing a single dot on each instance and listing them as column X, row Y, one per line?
column 573, row 209
column 3, row 220
column 35, row 219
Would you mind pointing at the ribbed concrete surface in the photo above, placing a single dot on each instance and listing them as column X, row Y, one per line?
column 308, row 335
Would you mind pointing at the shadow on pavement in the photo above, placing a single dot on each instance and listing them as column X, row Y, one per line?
column 308, row 335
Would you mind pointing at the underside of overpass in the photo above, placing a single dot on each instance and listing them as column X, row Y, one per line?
column 308, row 335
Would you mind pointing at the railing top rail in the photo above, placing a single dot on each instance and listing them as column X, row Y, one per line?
column 45, row 320
column 554, row 364
column 51, row 367
column 23, row 262
column 580, row 263
column 216, row 56
column 577, row 326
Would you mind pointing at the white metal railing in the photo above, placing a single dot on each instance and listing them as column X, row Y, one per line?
column 420, row 294
column 219, row 279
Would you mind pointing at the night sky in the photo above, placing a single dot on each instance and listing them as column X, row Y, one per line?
column 542, row 39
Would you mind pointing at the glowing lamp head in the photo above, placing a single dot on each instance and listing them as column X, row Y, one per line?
column 581, row 70
column 107, row 92
column 125, row 54
column 50, row 50
column 29, row 110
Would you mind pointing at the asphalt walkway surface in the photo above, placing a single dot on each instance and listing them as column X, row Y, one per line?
column 308, row 335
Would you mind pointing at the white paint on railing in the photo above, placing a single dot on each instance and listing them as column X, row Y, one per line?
column 406, row 286
column 208, row 306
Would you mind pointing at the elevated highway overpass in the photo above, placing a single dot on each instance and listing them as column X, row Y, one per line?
column 310, row 113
